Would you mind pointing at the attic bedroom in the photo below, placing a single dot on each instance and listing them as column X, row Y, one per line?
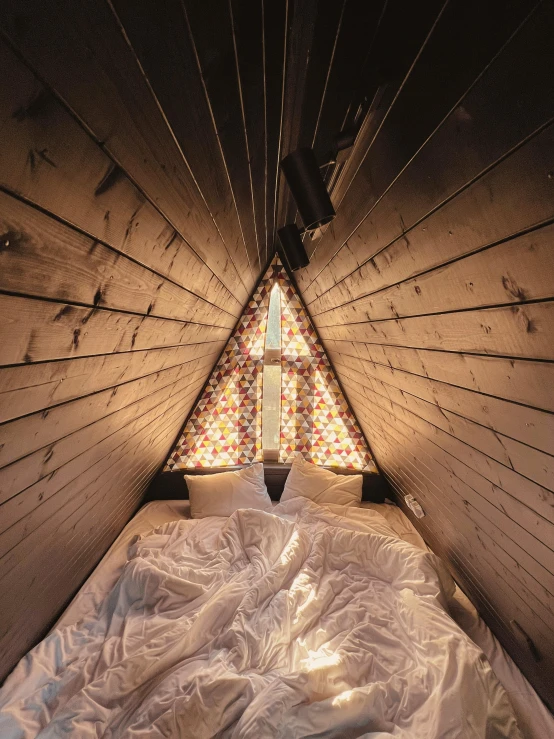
column 276, row 369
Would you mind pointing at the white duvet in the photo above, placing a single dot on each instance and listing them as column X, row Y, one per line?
column 301, row 622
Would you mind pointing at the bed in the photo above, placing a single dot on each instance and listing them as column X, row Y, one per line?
column 301, row 621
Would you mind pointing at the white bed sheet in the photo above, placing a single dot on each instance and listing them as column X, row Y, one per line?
column 305, row 621
column 153, row 514
column 534, row 720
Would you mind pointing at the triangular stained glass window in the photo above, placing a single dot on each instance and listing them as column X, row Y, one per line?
column 225, row 428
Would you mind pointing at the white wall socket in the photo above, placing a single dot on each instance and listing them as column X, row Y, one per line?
column 414, row 506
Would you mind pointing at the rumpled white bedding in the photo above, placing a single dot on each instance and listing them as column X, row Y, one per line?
column 300, row 622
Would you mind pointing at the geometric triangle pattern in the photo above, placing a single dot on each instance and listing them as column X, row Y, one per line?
column 225, row 428
column 316, row 420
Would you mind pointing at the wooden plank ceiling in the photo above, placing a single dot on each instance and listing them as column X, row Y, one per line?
column 432, row 291
column 139, row 200
column 138, row 205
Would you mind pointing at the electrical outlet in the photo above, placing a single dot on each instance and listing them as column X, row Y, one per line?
column 414, row 506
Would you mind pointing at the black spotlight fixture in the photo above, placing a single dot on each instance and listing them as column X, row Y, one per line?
column 308, row 189
column 291, row 241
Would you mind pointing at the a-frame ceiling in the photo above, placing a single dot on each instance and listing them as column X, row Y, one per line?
column 139, row 199
column 196, row 102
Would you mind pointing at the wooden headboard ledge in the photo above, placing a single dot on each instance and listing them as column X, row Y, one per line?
column 172, row 486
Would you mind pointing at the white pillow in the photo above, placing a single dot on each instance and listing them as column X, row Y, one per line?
column 223, row 493
column 324, row 487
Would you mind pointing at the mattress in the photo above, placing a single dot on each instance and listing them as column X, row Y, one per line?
column 533, row 719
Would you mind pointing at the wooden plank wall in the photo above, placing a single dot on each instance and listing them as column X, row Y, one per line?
column 139, row 198
column 139, row 177
column 131, row 235
column 433, row 293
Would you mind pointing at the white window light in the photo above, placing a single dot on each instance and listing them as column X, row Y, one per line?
column 271, row 397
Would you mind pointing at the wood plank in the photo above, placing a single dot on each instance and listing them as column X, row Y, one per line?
column 319, row 60
column 527, row 425
column 301, row 20
column 501, row 480
column 516, row 649
column 320, row 64
column 41, row 464
column 519, row 381
column 80, row 184
column 497, row 117
column 95, row 539
column 355, row 41
column 44, row 258
column 248, row 37
column 25, row 515
column 515, row 271
column 44, row 499
column 382, row 25
column 502, row 602
column 473, row 548
column 400, row 25
column 525, row 331
column 26, row 389
column 361, row 60
column 405, row 478
column 53, row 519
column 95, row 72
column 161, row 42
column 531, row 531
column 470, row 584
column 437, row 82
column 341, row 178
column 400, row 481
column 214, row 49
column 483, row 587
column 473, row 592
column 274, row 18
column 486, row 212
column 34, row 330
column 39, row 430
column 61, row 508
column 531, row 463
column 396, row 450
column 470, row 531
column 534, row 465
column 61, row 525
column 375, row 84
column 465, row 498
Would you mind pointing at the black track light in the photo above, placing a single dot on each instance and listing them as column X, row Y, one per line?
column 291, row 241
column 308, row 189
